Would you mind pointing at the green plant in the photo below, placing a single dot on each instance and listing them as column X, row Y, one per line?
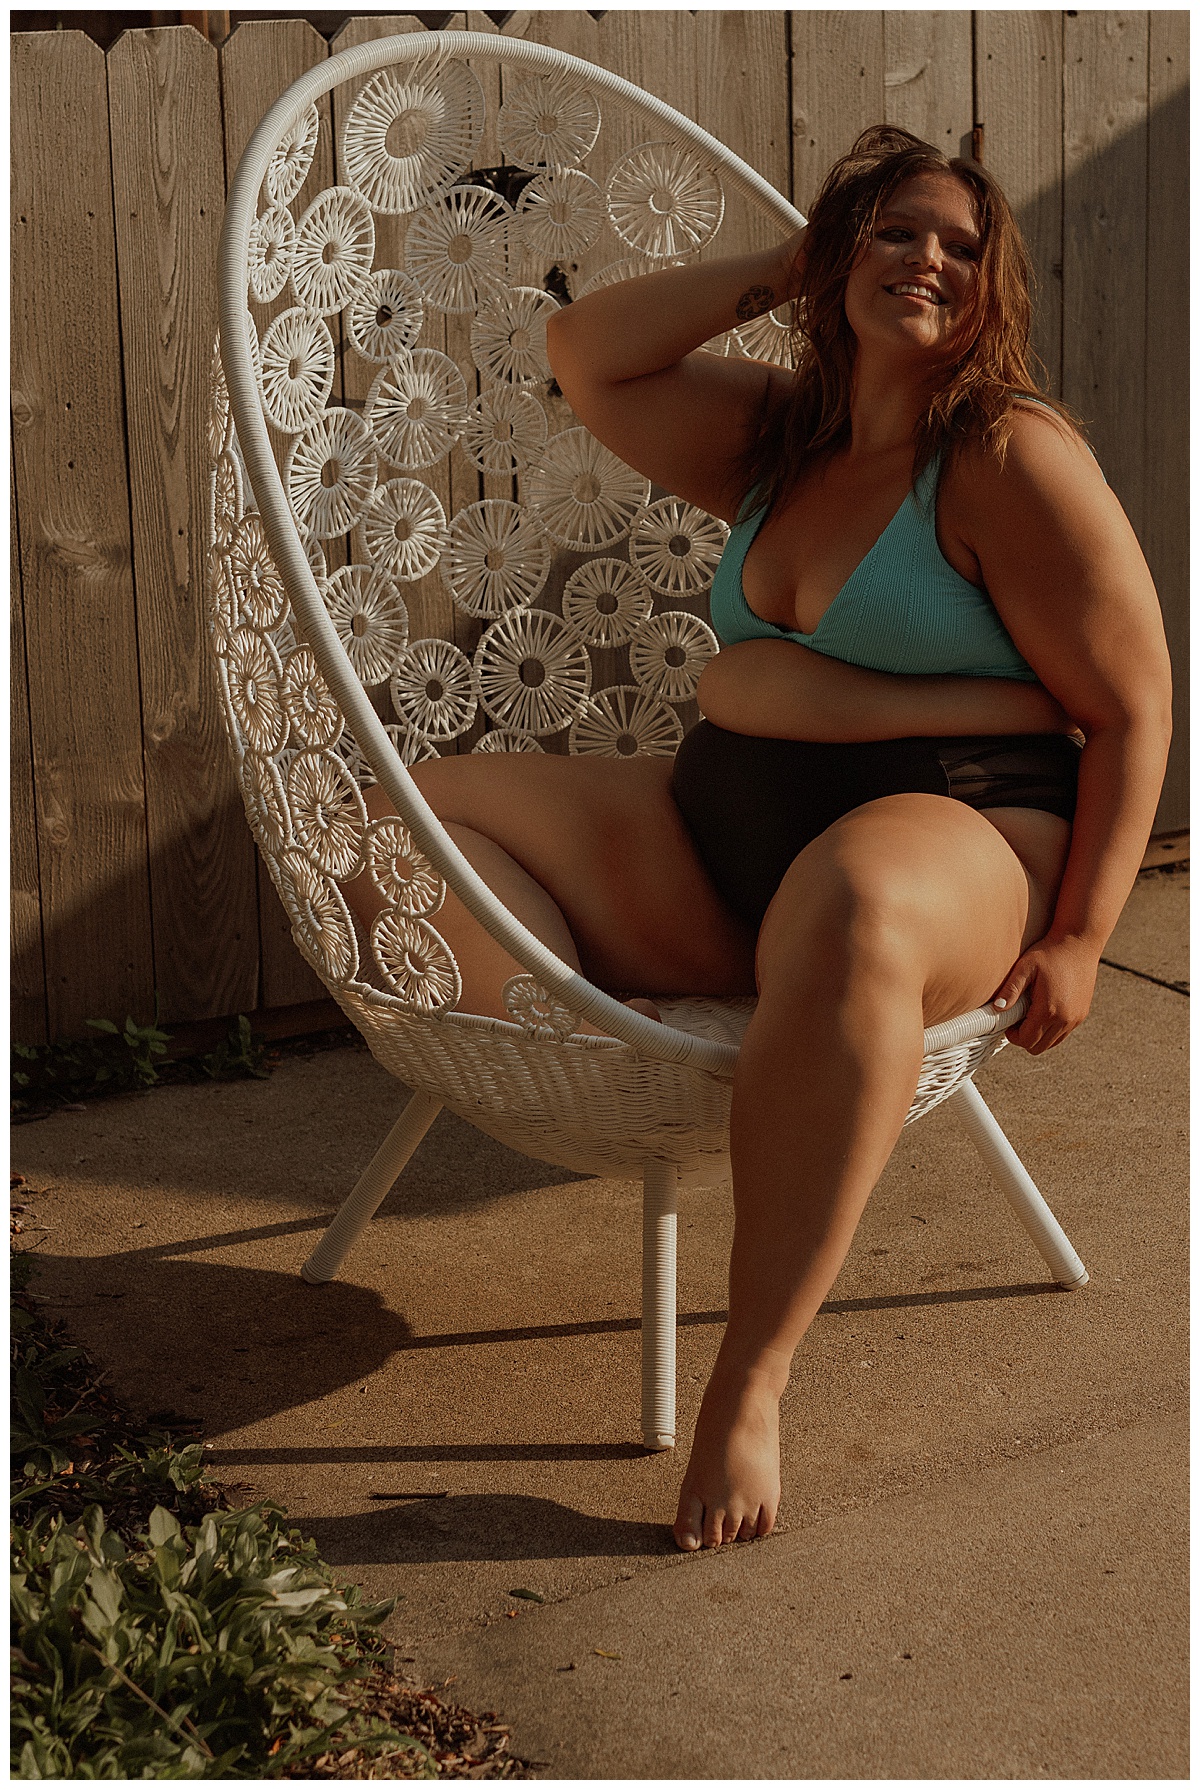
column 230, row 1634
column 124, row 1059
column 241, row 1053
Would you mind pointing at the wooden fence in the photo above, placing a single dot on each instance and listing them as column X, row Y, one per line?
column 134, row 876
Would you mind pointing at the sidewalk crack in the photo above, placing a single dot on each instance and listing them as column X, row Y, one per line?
column 1182, row 988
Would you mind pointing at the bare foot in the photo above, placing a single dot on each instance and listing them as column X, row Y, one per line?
column 731, row 1488
column 640, row 1005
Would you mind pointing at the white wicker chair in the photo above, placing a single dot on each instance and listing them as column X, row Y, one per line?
column 538, row 533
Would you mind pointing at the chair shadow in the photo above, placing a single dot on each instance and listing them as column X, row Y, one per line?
column 482, row 1526
column 231, row 1346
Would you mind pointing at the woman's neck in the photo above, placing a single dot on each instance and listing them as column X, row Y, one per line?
column 887, row 403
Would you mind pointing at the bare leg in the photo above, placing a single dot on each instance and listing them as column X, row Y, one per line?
column 592, row 856
column 906, row 912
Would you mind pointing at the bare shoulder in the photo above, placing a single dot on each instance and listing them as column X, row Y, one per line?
column 1044, row 457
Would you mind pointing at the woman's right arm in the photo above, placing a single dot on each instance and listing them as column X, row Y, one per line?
column 778, row 689
column 625, row 359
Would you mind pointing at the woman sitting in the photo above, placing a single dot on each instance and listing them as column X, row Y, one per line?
column 928, row 598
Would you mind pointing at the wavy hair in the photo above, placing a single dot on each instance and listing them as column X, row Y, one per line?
column 996, row 363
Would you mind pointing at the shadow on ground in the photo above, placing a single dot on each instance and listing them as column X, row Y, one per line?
column 482, row 1526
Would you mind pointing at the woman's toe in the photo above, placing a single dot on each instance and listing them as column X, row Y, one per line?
column 713, row 1533
column 689, row 1525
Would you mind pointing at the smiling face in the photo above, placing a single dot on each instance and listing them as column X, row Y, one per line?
column 911, row 290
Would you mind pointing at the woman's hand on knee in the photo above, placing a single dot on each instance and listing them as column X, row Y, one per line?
column 1058, row 976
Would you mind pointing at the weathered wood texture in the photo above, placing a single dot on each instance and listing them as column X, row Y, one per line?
column 1167, row 485
column 1018, row 86
column 134, row 876
column 72, row 495
column 28, row 999
column 169, row 194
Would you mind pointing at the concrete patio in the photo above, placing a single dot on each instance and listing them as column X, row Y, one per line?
column 981, row 1565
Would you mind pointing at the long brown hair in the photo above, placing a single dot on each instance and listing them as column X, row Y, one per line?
column 996, row 363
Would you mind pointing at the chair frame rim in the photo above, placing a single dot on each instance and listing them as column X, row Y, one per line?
column 648, row 1037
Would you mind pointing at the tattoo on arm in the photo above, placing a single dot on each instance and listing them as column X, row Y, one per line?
column 753, row 302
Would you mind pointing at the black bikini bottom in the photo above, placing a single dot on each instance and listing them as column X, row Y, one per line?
column 751, row 805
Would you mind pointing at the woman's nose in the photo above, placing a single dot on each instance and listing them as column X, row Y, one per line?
column 925, row 251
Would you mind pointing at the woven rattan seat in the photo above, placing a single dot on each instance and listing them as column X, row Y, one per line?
column 405, row 517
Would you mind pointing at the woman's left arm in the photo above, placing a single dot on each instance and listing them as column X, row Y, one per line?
column 1065, row 571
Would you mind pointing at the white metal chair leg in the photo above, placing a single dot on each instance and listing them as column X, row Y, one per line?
column 1017, row 1186
column 660, row 1204
column 372, row 1188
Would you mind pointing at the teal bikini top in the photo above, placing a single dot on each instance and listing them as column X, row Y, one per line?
column 903, row 608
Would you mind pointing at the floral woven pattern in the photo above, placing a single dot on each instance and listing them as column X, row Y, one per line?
column 415, row 962
column 225, row 498
column 458, row 247
column 404, row 529
column 605, row 602
column 669, row 652
column 385, row 315
column 532, row 672
column 677, row 547
column 560, row 214
column 401, row 872
column 662, row 201
column 328, row 815
column 266, row 803
column 584, row 495
column 329, row 473
column 407, row 139
column 498, row 558
column 372, row 622
column 537, row 1012
column 218, row 417
column 768, row 337
column 415, row 408
column 311, row 707
column 508, row 336
column 505, row 429
column 293, row 157
column 269, row 254
column 506, row 739
column 335, row 245
column 433, row 691
column 258, row 587
column 297, row 370
column 551, row 121
column 625, row 722
column 254, row 679
column 321, row 923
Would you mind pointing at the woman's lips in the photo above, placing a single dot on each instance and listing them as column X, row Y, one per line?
column 910, row 289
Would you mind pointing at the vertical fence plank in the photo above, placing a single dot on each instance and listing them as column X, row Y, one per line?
column 258, row 62
column 1018, row 79
column 837, row 90
column 168, row 190
column 927, row 78
column 1104, row 239
column 743, row 99
column 73, row 505
column 28, row 1001
column 1165, row 530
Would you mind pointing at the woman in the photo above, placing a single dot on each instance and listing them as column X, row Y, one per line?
column 925, row 571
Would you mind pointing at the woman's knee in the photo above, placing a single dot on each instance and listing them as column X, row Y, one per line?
column 839, row 915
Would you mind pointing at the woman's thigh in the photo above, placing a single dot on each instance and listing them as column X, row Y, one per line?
column 921, row 886
column 605, row 840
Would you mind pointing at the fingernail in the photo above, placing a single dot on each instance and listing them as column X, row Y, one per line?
column 1000, row 1002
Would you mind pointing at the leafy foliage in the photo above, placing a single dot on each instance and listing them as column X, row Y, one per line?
column 159, row 1634
column 210, row 1651
column 121, row 1060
